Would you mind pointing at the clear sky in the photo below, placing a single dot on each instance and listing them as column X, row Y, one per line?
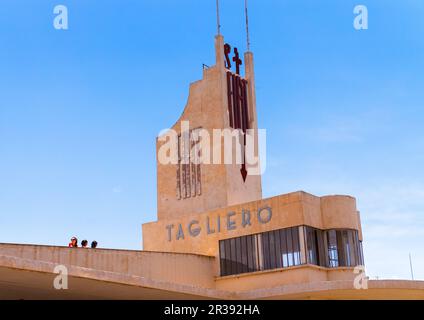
column 80, row 110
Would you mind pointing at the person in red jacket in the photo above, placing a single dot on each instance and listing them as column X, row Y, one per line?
column 73, row 243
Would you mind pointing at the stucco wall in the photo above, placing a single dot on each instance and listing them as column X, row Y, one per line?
column 207, row 108
column 167, row 267
column 272, row 278
column 294, row 209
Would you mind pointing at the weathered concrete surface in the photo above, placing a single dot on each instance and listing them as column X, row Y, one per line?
column 187, row 269
column 176, row 275
column 26, row 272
column 343, row 290
column 288, row 210
column 207, row 108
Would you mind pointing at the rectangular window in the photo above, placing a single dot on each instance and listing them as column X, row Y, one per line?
column 272, row 253
column 282, row 249
column 278, row 249
column 322, row 250
column 244, row 254
column 228, row 265
column 340, row 249
column 296, row 246
column 315, row 246
column 289, row 239
column 332, row 249
column 266, row 251
column 311, row 245
column 344, row 249
column 239, row 253
column 233, row 256
column 222, row 257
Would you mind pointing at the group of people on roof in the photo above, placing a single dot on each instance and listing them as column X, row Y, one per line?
column 84, row 243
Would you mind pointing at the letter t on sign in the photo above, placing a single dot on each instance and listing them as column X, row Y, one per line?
column 169, row 228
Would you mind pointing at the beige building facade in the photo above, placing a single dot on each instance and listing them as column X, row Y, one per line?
column 255, row 242
column 215, row 185
column 216, row 237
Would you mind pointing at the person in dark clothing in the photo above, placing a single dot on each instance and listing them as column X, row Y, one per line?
column 84, row 244
column 94, row 245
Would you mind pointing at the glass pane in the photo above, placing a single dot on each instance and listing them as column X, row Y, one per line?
column 296, row 246
column 352, row 248
column 265, row 250
column 332, row 249
column 346, row 247
column 244, row 253
column 321, row 249
column 233, row 256
column 278, row 256
column 273, row 262
column 340, row 249
column 238, row 254
column 284, row 253
column 250, row 254
column 256, row 250
column 289, row 247
column 227, row 246
column 222, row 257
column 281, row 249
column 312, row 245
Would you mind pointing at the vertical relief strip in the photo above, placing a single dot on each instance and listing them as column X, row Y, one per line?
column 183, row 168
column 187, row 164
column 179, row 170
column 193, row 162
column 198, row 165
column 188, row 170
column 196, row 178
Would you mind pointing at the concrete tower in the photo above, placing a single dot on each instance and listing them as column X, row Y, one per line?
column 185, row 187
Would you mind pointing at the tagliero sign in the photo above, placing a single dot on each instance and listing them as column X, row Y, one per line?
column 227, row 223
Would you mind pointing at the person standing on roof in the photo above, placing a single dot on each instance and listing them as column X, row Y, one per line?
column 73, row 243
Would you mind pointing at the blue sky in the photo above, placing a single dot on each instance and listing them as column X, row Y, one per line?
column 80, row 110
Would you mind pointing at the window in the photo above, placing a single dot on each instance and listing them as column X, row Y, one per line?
column 333, row 256
column 265, row 251
column 315, row 247
column 239, row 255
column 282, row 249
column 344, row 248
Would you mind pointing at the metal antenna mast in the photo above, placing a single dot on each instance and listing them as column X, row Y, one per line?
column 218, row 23
column 410, row 264
column 247, row 25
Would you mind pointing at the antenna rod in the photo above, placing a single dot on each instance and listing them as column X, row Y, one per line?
column 247, row 25
column 218, row 23
column 410, row 264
